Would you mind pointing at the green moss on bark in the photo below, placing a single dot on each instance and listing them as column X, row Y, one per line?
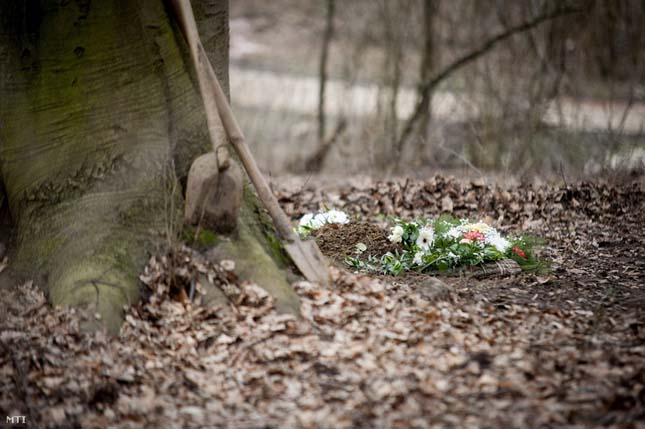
column 99, row 113
column 257, row 257
column 199, row 237
column 253, row 213
column 86, row 154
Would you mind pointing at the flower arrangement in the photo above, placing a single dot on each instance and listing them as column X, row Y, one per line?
column 313, row 221
column 446, row 243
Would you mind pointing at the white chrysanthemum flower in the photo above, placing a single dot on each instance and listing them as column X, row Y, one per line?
column 498, row 242
column 426, row 238
column 418, row 258
column 396, row 235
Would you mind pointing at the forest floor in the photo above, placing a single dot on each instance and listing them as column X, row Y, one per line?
column 564, row 349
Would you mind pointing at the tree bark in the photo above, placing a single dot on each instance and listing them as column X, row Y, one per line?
column 393, row 73
column 324, row 56
column 427, row 65
column 100, row 121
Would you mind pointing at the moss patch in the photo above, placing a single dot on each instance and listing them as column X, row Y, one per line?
column 254, row 264
column 199, row 238
column 258, row 254
column 255, row 215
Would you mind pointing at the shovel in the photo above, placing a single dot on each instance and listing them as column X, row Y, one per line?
column 305, row 254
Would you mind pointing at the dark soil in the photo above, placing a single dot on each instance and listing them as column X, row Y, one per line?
column 339, row 241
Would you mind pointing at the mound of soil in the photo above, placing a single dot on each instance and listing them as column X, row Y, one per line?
column 338, row 241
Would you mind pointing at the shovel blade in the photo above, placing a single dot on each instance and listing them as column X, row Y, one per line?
column 307, row 257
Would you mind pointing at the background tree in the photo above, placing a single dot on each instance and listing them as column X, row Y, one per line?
column 315, row 162
column 428, row 58
column 324, row 57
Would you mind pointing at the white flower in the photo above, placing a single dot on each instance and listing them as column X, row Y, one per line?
column 318, row 221
column 305, row 224
column 426, row 238
column 455, row 232
column 396, row 234
column 306, row 219
column 498, row 242
column 336, row 216
column 418, row 258
column 311, row 221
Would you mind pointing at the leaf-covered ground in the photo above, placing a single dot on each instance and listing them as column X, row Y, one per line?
column 566, row 349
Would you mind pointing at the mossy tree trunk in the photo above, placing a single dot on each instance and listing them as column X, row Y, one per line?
column 99, row 122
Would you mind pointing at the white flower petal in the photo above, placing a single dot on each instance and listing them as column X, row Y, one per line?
column 305, row 219
column 396, row 235
column 337, row 216
column 454, row 232
column 498, row 242
column 426, row 238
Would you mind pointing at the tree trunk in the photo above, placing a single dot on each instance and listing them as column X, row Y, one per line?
column 393, row 71
column 99, row 123
column 428, row 56
column 324, row 56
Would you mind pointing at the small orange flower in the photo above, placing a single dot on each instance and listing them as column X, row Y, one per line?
column 519, row 252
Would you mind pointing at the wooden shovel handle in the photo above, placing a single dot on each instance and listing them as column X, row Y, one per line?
column 208, row 81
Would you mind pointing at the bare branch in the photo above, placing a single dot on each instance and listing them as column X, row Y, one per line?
column 428, row 87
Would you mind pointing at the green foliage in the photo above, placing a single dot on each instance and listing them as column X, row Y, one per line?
column 529, row 261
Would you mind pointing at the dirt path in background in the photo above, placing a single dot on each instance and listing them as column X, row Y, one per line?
column 299, row 94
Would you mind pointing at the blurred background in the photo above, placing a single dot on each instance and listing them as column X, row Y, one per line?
column 505, row 88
